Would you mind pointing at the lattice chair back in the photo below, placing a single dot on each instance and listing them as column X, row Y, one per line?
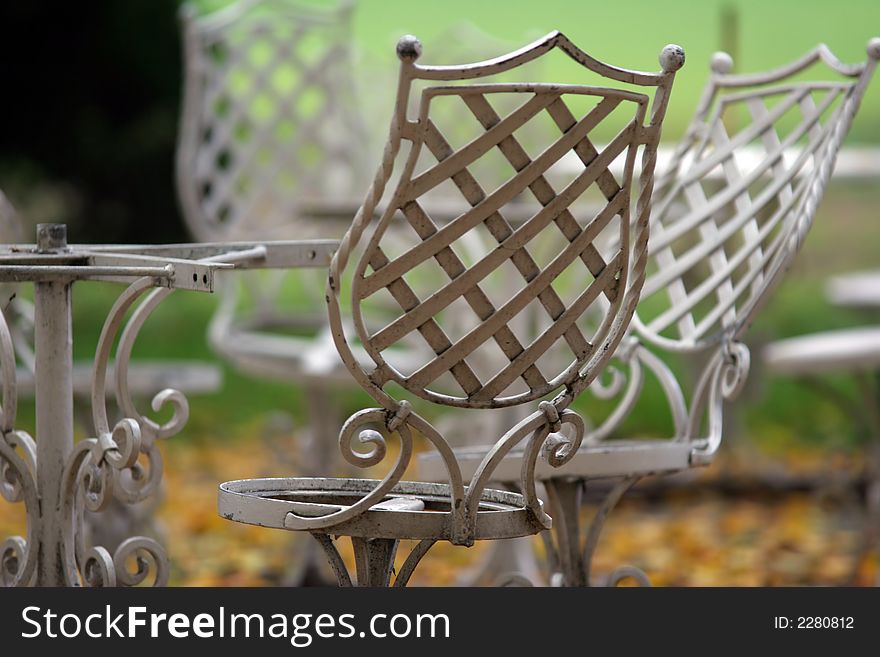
column 730, row 216
column 269, row 124
column 431, row 282
column 742, row 192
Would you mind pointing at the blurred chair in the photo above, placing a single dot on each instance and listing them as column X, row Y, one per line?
column 723, row 232
column 269, row 123
column 431, row 285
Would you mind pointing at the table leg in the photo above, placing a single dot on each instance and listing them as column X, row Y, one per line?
column 54, row 406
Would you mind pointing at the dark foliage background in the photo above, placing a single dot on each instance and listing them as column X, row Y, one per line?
column 90, row 103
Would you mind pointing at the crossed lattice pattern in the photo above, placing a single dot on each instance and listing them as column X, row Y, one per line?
column 276, row 127
column 440, row 279
column 731, row 210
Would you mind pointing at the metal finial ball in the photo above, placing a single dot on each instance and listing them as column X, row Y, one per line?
column 672, row 58
column 409, row 48
column 874, row 48
column 721, row 63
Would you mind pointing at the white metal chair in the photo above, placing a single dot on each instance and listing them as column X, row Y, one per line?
column 377, row 514
column 718, row 247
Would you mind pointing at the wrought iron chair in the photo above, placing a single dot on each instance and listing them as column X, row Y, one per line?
column 724, row 230
column 377, row 514
column 269, row 125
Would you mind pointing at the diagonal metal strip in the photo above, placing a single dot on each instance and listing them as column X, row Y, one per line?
column 477, row 215
column 474, row 295
column 478, row 146
column 543, row 191
column 463, row 347
column 585, row 150
column 430, row 330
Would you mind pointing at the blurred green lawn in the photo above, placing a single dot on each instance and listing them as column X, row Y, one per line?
column 628, row 33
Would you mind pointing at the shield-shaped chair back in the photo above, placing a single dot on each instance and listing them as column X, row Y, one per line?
column 449, row 284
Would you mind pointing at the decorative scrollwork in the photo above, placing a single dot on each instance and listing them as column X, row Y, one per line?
column 722, row 380
column 18, row 484
column 122, row 462
column 626, row 376
column 365, row 427
column 18, row 466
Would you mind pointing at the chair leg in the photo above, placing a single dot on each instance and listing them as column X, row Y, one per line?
column 596, row 526
column 573, row 564
column 320, row 451
column 564, row 497
column 374, row 560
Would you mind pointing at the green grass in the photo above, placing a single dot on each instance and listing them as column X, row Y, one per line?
column 628, row 33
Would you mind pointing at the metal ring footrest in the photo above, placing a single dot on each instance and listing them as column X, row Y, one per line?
column 411, row 510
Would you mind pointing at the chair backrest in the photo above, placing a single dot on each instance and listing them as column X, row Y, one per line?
column 616, row 276
column 729, row 217
column 431, row 283
column 741, row 194
column 269, row 123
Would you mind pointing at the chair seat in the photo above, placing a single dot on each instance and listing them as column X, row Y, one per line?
column 145, row 378
column 411, row 511
column 611, row 458
column 832, row 351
